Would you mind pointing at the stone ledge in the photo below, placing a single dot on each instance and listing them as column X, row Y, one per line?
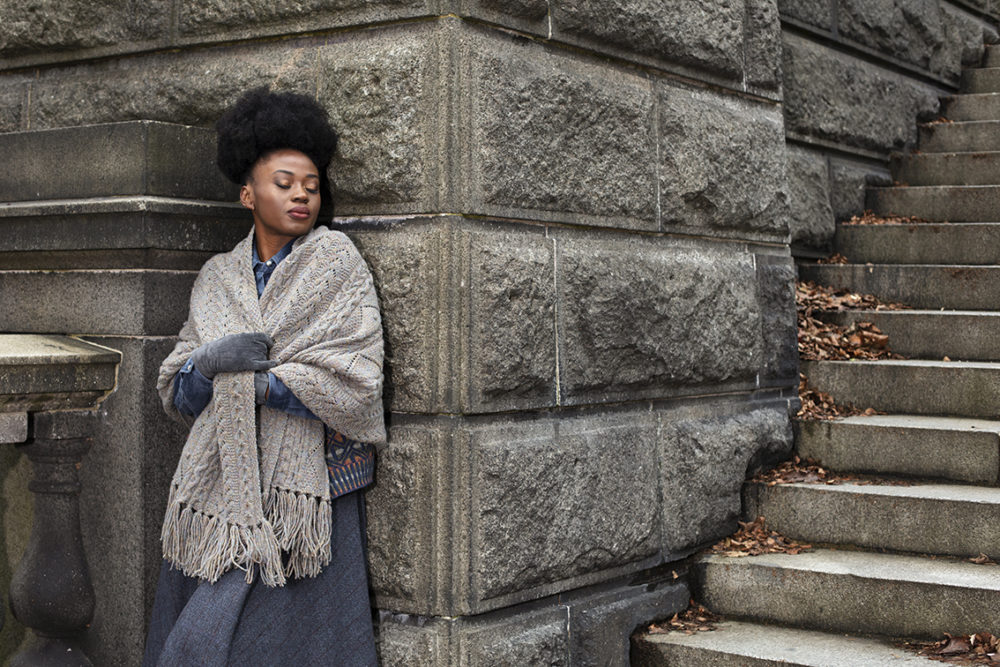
column 40, row 372
column 13, row 427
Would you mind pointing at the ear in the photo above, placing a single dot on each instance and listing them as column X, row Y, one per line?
column 246, row 197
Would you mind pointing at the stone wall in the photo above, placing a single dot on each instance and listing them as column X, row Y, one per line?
column 576, row 214
column 858, row 76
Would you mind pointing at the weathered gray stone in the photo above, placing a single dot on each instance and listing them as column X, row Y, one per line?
column 143, row 301
column 403, row 507
column 115, row 159
column 192, row 88
column 255, row 17
column 17, row 513
column 13, row 427
column 763, row 44
column 13, row 90
column 811, row 219
column 721, row 162
column 373, row 87
column 53, row 25
column 404, row 641
column 510, row 357
column 704, row 461
column 553, row 138
column 688, row 32
column 848, row 182
column 540, row 638
column 814, row 12
column 553, row 506
column 971, row 35
column 526, row 15
column 530, row 9
column 642, row 319
column 776, row 292
column 64, row 424
column 832, row 96
column 602, row 624
column 406, row 261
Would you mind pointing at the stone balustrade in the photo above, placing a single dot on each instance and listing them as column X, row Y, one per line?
column 50, row 388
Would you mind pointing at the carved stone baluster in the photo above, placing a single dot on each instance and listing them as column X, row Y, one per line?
column 50, row 591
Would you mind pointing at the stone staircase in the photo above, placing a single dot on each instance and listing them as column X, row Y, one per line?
column 894, row 560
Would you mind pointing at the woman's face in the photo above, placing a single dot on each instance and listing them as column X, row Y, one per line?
column 283, row 194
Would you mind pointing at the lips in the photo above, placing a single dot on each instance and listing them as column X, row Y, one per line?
column 299, row 212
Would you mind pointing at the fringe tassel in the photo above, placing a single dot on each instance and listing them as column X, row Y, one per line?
column 205, row 547
column 303, row 525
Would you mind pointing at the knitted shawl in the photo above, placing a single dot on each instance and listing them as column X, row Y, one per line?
column 244, row 491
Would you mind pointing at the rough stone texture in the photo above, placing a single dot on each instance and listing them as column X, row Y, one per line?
column 412, row 642
column 54, row 25
column 530, row 9
column 689, row 32
column 401, row 518
column 525, row 15
column 13, row 427
column 526, row 639
column 552, row 501
column 12, row 94
column 405, row 262
column 814, row 12
column 602, row 624
column 811, row 219
column 553, row 136
column 253, row 16
column 709, row 457
column 721, row 162
column 763, row 44
column 192, row 88
column 835, row 97
column 64, row 424
column 373, row 88
column 925, row 34
column 511, row 353
column 776, row 292
column 17, row 511
column 643, row 319
column 848, row 182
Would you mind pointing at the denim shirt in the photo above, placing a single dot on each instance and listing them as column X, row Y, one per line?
column 193, row 391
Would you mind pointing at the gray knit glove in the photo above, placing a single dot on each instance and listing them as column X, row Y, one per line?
column 260, row 382
column 232, row 353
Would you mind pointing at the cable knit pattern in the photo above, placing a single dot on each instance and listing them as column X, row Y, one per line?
column 242, row 493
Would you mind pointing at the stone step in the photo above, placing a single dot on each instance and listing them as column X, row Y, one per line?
column 937, row 286
column 920, row 243
column 742, row 644
column 951, row 388
column 981, row 80
column 947, row 168
column 984, row 106
column 941, row 519
column 960, row 335
column 955, row 137
column 854, row 592
column 952, row 448
column 938, row 203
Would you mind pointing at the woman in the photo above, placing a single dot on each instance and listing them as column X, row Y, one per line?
column 264, row 529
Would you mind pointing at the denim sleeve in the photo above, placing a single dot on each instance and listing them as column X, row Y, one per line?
column 280, row 397
column 192, row 390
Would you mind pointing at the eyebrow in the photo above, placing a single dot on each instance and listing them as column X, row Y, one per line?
column 285, row 171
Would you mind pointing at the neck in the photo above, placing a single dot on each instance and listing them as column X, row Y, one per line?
column 268, row 245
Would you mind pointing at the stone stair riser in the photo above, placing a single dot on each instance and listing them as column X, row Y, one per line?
column 956, row 137
column 961, row 456
column 971, row 107
column 927, row 519
column 946, row 389
column 982, row 80
column 981, row 168
column 942, row 203
column 920, row 243
column 931, row 287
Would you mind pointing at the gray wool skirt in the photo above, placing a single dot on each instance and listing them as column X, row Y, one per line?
column 324, row 620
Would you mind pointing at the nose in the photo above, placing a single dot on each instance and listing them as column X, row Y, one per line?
column 299, row 193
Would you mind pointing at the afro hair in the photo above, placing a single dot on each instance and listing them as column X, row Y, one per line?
column 262, row 122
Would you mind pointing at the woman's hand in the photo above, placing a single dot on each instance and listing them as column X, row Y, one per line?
column 233, row 353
